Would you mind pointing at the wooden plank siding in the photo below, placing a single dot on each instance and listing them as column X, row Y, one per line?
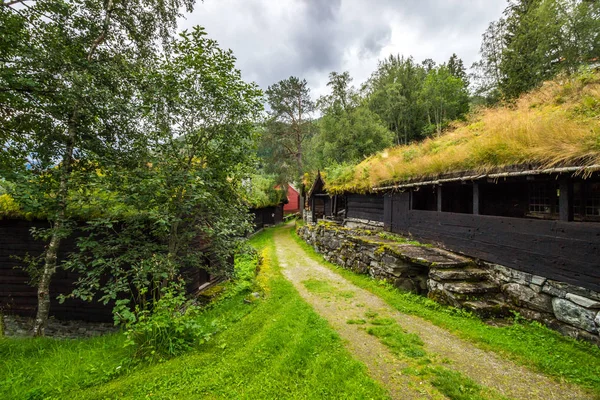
column 267, row 216
column 559, row 250
column 18, row 297
column 363, row 206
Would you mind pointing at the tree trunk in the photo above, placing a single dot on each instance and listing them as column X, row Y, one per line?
column 43, row 292
column 51, row 256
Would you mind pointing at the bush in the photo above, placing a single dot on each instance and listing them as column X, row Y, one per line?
column 168, row 329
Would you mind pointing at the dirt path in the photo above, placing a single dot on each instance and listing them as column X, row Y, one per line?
column 346, row 301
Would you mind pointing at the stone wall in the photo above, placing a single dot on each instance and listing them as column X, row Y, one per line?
column 484, row 288
column 573, row 311
column 359, row 250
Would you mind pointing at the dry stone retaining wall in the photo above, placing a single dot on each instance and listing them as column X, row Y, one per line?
column 488, row 289
column 358, row 251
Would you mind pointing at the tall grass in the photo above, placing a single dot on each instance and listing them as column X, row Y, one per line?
column 556, row 125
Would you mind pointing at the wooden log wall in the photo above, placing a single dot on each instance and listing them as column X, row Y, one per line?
column 267, row 216
column 558, row 250
column 362, row 206
column 18, row 297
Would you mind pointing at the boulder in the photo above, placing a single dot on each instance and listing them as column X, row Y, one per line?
column 524, row 296
column 573, row 314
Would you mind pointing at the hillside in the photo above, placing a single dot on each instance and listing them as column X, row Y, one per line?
column 555, row 125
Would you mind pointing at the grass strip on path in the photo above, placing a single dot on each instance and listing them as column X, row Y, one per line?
column 528, row 343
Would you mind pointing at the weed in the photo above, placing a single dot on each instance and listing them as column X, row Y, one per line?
column 456, row 386
column 356, row 322
column 318, row 286
column 346, row 294
column 400, row 342
column 382, row 321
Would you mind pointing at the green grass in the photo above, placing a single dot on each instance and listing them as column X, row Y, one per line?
column 356, row 322
column 527, row 343
column 317, row 286
column 276, row 347
column 400, row 342
column 36, row 368
column 382, row 321
column 456, row 386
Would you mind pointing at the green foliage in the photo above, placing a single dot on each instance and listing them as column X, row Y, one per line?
column 288, row 128
column 188, row 190
column 456, row 386
column 444, row 98
column 167, row 329
column 263, row 191
column 400, row 342
column 348, row 129
column 318, row 286
column 534, row 41
column 393, row 92
column 9, row 207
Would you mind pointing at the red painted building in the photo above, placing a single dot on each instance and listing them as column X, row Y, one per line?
column 293, row 205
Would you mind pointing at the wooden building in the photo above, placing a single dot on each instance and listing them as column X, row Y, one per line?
column 19, row 297
column 541, row 221
column 267, row 216
column 293, row 204
column 319, row 201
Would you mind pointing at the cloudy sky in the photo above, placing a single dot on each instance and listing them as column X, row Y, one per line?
column 274, row 39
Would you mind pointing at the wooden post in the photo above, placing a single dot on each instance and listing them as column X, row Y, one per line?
column 312, row 208
column 475, row 198
column 439, row 198
column 565, row 199
column 335, row 205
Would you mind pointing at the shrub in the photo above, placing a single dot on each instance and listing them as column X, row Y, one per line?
column 167, row 328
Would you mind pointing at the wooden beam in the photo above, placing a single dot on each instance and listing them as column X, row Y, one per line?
column 565, row 199
column 475, row 198
column 439, row 198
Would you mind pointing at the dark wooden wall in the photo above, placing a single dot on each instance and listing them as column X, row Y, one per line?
column 18, row 297
column 365, row 206
column 267, row 216
column 563, row 251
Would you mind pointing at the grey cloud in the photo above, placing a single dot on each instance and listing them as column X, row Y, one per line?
column 374, row 41
column 322, row 10
column 273, row 40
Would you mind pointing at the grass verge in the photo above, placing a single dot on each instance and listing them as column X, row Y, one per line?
column 273, row 347
column 528, row 343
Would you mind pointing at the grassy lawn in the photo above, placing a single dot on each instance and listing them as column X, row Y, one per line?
column 275, row 347
column 527, row 343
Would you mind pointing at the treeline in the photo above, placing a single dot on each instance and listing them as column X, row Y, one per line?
column 405, row 101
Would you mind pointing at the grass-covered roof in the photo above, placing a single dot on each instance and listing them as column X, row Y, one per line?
column 556, row 125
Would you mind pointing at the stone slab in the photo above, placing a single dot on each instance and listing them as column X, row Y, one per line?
column 471, row 287
column 573, row 314
column 464, row 274
column 583, row 301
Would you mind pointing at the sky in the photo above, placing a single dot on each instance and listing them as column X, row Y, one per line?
column 275, row 39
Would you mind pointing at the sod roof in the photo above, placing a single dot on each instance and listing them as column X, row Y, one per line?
column 555, row 126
